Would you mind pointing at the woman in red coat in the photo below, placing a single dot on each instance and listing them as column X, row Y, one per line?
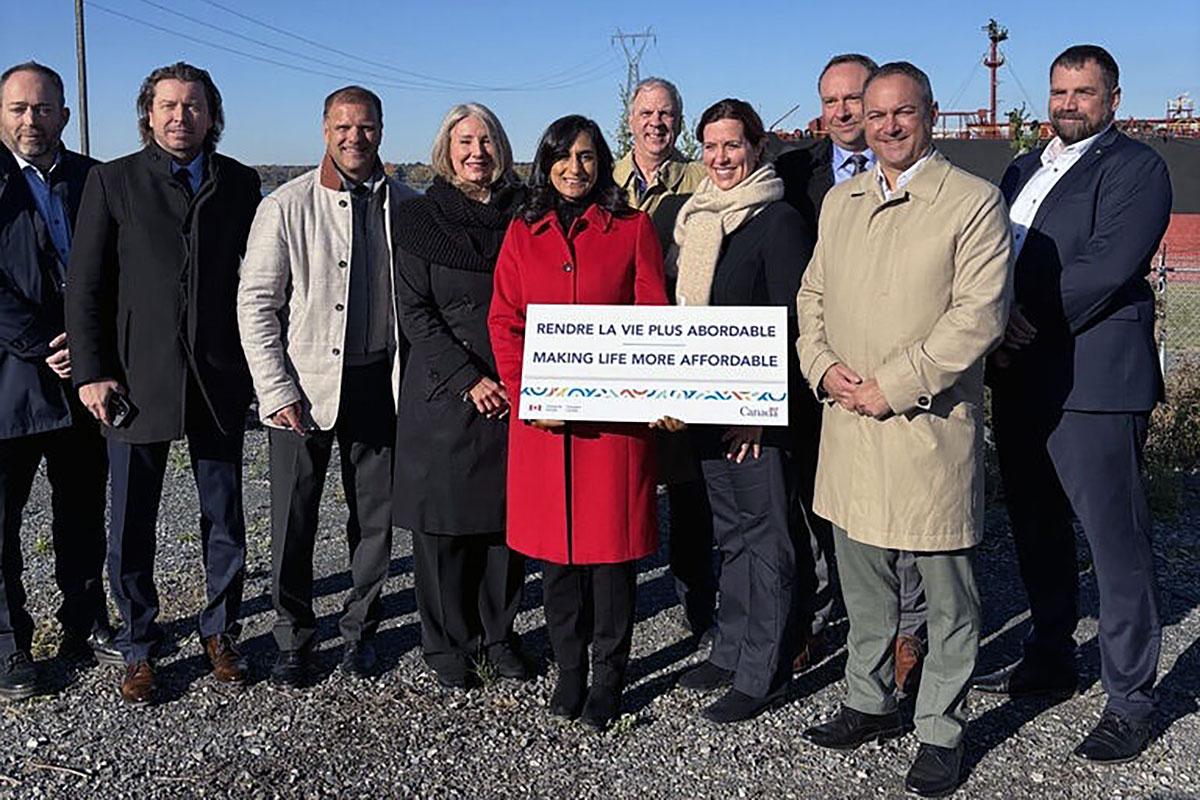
column 580, row 496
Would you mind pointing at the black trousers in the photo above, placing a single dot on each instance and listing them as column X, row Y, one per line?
column 591, row 604
column 691, row 546
column 137, row 481
column 77, row 468
column 1082, row 471
column 365, row 433
column 468, row 592
column 751, row 520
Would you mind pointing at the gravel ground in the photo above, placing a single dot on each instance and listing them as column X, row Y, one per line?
column 401, row 735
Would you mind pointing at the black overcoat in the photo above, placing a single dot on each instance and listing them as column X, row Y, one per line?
column 32, row 280
column 450, row 460
column 152, row 289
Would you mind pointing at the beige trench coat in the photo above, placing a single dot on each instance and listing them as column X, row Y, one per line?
column 913, row 292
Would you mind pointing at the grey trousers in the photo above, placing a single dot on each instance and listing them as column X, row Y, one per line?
column 871, row 590
column 365, row 434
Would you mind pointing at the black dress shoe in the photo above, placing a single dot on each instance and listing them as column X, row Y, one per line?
column 291, row 668
column 851, row 728
column 736, row 706
column 18, row 678
column 98, row 646
column 567, row 700
column 705, row 677
column 508, row 661
column 936, row 771
column 453, row 673
column 602, row 707
column 1114, row 740
column 1026, row 680
column 359, row 659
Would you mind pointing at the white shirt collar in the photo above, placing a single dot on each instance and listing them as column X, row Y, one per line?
column 904, row 177
column 1056, row 149
column 22, row 164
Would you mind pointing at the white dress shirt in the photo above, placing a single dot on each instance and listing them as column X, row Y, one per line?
column 1057, row 158
column 903, row 178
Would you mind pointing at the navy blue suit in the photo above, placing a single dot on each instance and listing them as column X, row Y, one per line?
column 1072, row 408
column 39, row 415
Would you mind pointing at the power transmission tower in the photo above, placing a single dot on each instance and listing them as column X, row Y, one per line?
column 81, row 62
column 634, row 45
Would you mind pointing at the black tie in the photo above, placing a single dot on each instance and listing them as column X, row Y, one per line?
column 858, row 163
column 184, row 179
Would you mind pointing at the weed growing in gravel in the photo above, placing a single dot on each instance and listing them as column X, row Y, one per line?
column 178, row 458
column 43, row 545
column 486, row 672
column 624, row 724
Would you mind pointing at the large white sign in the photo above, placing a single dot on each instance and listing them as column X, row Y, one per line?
column 701, row 364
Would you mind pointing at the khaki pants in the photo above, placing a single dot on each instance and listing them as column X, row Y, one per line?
column 871, row 590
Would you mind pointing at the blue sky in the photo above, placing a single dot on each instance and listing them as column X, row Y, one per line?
column 557, row 58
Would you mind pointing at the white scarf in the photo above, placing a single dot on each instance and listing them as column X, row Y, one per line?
column 705, row 220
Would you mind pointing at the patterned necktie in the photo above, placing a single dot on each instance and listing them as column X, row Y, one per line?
column 858, row 163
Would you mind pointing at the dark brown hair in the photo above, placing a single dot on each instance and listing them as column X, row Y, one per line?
column 355, row 95
column 40, row 69
column 743, row 112
column 181, row 71
column 1077, row 56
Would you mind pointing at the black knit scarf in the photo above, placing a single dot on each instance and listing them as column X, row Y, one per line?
column 447, row 227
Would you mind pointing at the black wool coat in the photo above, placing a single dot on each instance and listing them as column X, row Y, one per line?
column 32, row 280
column 761, row 264
column 152, row 290
column 450, row 460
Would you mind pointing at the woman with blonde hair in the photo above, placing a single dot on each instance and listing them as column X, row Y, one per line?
column 452, row 427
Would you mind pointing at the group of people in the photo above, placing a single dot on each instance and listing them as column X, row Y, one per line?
column 152, row 298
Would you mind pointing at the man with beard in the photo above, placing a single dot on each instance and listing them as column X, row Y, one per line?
column 1073, row 388
column 808, row 173
column 40, row 186
column 658, row 179
column 156, row 357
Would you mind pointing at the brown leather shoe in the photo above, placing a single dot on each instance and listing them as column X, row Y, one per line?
column 811, row 653
column 909, row 653
column 137, row 687
column 228, row 666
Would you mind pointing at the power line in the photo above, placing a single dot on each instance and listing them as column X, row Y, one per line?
column 634, row 45
column 586, row 77
column 558, row 79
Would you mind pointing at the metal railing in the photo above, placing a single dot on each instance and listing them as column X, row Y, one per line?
column 1178, row 313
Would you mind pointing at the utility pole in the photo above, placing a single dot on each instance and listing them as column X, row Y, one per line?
column 634, row 45
column 81, row 62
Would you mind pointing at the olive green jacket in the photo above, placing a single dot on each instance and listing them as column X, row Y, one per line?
column 675, row 182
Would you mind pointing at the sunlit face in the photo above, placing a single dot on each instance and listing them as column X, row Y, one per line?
column 32, row 116
column 574, row 176
column 352, row 136
column 841, row 93
column 652, row 121
column 472, row 152
column 728, row 157
column 1080, row 103
column 180, row 117
column 899, row 127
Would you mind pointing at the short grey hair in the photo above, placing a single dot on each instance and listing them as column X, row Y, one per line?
column 440, row 157
column 653, row 82
column 910, row 71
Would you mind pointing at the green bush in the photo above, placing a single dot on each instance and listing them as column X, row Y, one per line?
column 1173, row 443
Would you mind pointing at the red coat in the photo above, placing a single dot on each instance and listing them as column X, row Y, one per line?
column 607, row 511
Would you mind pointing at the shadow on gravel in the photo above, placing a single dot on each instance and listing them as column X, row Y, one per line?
column 1179, row 690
